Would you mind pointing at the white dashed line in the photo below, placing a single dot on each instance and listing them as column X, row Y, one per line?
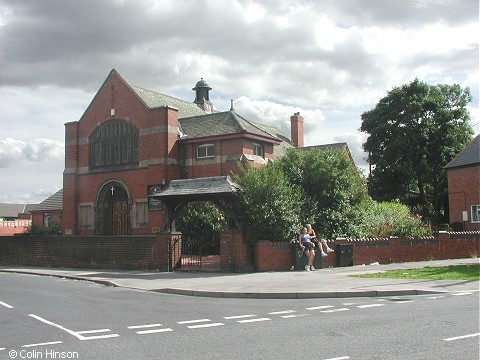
column 281, row 312
column 2, row 349
column 153, row 331
column 463, row 293
column 435, row 297
column 294, row 316
column 339, row 358
column 238, row 317
column 205, row 325
column 192, row 321
column 41, row 344
column 143, row 326
column 77, row 334
column 93, row 331
column 319, row 307
column 369, row 306
column 462, row 337
column 253, row 320
column 335, row 310
column 6, row 305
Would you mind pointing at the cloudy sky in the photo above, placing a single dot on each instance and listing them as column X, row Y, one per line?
column 330, row 60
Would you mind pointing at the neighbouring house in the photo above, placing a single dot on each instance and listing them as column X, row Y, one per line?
column 14, row 218
column 49, row 211
column 463, row 174
column 132, row 142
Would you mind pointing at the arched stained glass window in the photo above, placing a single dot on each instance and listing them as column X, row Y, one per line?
column 114, row 144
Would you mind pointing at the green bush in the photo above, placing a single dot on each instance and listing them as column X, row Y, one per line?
column 384, row 219
column 52, row 229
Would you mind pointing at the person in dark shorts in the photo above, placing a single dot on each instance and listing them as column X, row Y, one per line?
column 308, row 247
column 314, row 239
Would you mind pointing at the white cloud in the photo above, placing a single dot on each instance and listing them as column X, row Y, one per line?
column 13, row 151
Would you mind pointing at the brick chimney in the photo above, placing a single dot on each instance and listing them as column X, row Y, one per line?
column 296, row 129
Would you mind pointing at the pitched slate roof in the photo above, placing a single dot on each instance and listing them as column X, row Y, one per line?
column 221, row 123
column 199, row 188
column 154, row 99
column 12, row 210
column 470, row 155
column 54, row 202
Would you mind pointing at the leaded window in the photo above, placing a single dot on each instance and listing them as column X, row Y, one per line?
column 114, row 144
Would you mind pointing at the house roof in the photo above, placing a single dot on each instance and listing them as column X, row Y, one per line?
column 54, row 202
column 12, row 210
column 198, row 189
column 155, row 99
column 470, row 155
column 222, row 123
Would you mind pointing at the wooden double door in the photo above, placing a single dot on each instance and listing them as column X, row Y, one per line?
column 112, row 210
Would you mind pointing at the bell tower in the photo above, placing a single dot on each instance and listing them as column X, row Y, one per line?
column 202, row 97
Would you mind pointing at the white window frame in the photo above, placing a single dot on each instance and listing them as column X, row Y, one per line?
column 141, row 213
column 475, row 213
column 209, row 148
column 257, row 147
column 85, row 216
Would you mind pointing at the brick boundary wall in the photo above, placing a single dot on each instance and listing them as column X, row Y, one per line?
column 101, row 252
column 278, row 256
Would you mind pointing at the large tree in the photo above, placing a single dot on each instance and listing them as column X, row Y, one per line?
column 414, row 132
column 333, row 186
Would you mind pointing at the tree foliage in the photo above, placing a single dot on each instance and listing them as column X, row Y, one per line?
column 384, row 219
column 414, row 132
column 268, row 207
column 334, row 186
column 202, row 221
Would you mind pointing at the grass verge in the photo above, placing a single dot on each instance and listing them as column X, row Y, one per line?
column 454, row 272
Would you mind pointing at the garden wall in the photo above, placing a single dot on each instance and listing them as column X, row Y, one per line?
column 142, row 252
column 274, row 256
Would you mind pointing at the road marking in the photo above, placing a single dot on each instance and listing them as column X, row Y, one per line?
column 435, row 297
column 462, row 337
column 77, row 334
column 205, row 325
column 152, row 331
column 253, row 320
column 192, row 321
column 93, row 331
column 319, row 307
column 2, row 349
column 6, row 305
column 369, row 306
column 281, row 312
column 238, row 317
column 335, row 310
column 463, row 293
column 339, row 358
column 143, row 326
column 294, row 316
column 41, row 344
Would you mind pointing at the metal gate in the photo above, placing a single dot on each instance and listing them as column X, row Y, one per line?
column 191, row 253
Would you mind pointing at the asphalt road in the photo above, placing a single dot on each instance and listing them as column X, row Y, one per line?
column 46, row 318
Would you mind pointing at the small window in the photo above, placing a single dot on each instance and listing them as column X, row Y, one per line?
column 475, row 213
column 258, row 150
column 142, row 213
column 205, row 151
column 85, row 216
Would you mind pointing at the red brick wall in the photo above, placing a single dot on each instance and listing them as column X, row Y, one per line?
column 272, row 256
column 235, row 254
column 102, row 252
column 463, row 191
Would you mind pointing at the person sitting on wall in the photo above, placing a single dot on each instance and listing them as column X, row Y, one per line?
column 308, row 247
column 314, row 239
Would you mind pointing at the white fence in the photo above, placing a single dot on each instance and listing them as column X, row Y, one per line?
column 15, row 223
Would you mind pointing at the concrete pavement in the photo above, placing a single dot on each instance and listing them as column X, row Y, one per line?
column 323, row 283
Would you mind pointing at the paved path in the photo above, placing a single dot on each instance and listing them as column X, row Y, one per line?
column 323, row 283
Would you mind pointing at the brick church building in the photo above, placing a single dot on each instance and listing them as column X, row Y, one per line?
column 132, row 142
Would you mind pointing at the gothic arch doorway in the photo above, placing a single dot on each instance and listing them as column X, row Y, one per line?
column 112, row 210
